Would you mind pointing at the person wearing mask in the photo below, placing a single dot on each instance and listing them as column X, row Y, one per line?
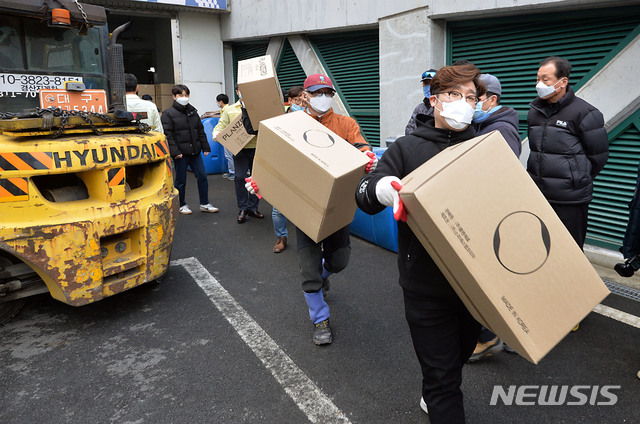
column 443, row 331
column 223, row 101
column 318, row 261
column 569, row 146
column 136, row 104
column 490, row 116
column 423, row 108
column 186, row 137
column 247, row 203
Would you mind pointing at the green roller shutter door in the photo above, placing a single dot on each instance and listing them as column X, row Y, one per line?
column 511, row 49
column 242, row 51
column 290, row 72
column 352, row 62
column 614, row 187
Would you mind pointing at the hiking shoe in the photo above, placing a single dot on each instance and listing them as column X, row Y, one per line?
column 484, row 349
column 325, row 286
column 322, row 333
column 208, row 208
column 423, row 405
column 184, row 209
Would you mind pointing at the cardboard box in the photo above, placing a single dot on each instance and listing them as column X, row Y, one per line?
column 164, row 89
column 149, row 89
column 234, row 137
column 261, row 92
column 308, row 173
column 500, row 245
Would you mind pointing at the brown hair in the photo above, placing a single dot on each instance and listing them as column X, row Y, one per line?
column 449, row 77
column 295, row 91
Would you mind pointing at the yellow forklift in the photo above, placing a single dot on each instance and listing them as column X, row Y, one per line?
column 87, row 203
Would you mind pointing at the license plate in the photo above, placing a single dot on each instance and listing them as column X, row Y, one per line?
column 94, row 101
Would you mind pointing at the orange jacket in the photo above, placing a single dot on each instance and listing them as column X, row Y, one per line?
column 346, row 127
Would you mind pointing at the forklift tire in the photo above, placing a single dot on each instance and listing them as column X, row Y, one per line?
column 9, row 309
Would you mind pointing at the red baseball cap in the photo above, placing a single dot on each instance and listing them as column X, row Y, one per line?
column 317, row 81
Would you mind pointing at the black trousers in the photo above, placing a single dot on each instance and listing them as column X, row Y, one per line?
column 243, row 161
column 574, row 217
column 444, row 335
column 335, row 250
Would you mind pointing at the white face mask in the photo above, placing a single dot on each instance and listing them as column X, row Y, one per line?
column 183, row 100
column 545, row 90
column 458, row 114
column 321, row 103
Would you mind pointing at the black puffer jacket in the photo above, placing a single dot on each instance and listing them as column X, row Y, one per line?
column 184, row 130
column 569, row 147
column 418, row 272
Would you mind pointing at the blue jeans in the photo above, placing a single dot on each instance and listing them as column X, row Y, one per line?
column 197, row 166
column 279, row 223
column 229, row 157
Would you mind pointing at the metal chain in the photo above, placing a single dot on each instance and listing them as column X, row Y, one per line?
column 84, row 15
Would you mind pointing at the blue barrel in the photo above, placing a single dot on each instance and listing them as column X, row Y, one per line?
column 214, row 162
column 380, row 229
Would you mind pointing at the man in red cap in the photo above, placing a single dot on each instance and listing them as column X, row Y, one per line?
column 319, row 260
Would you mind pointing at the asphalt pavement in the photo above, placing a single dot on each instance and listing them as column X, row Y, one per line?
column 226, row 338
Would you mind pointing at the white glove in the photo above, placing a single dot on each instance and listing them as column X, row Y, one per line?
column 252, row 187
column 386, row 194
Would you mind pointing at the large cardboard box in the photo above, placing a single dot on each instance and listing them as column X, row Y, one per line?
column 308, row 173
column 261, row 92
column 149, row 89
column 500, row 244
column 234, row 137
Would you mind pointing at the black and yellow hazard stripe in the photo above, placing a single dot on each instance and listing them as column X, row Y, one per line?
column 162, row 148
column 25, row 161
column 116, row 176
column 13, row 189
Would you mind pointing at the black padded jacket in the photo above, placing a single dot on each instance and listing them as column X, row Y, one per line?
column 184, row 130
column 569, row 147
column 418, row 272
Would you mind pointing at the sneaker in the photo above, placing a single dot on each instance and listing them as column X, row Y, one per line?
column 322, row 334
column 231, row 177
column 423, row 405
column 225, row 175
column 508, row 349
column 325, row 286
column 184, row 209
column 208, row 208
column 484, row 349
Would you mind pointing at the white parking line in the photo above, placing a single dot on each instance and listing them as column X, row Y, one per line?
column 621, row 316
column 304, row 392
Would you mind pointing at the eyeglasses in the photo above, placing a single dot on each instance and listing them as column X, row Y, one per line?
column 454, row 96
column 322, row 93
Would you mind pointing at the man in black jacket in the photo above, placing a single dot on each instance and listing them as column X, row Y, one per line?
column 569, row 146
column 186, row 137
column 443, row 331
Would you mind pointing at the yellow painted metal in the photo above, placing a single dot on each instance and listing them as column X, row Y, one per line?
column 116, row 238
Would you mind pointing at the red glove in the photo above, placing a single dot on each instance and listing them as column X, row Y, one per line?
column 399, row 214
column 252, row 187
column 373, row 162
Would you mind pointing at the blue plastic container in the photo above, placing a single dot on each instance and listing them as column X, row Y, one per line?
column 214, row 162
column 380, row 229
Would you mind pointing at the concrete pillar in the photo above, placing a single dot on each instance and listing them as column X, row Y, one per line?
column 312, row 65
column 410, row 43
column 276, row 44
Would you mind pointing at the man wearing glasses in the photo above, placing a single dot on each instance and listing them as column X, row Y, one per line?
column 443, row 331
column 319, row 260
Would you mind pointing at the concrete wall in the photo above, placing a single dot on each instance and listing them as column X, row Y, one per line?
column 201, row 53
column 410, row 43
